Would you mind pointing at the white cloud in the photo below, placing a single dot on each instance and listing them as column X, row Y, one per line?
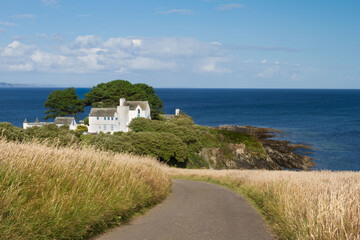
column 87, row 41
column 16, row 49
column 87, row 54
column 178, row 11
column 230, row 6
column 133, row 55
column 213, row 65
column 9, row 24
column 21, row 67
column 269, row 72
column 217, row 43
column 24, row 16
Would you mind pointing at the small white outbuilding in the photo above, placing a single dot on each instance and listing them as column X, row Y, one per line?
column 59, row 121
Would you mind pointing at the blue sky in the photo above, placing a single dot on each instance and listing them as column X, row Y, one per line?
column 181, row 43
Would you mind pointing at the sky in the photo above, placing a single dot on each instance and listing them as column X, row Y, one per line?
column 181, row 43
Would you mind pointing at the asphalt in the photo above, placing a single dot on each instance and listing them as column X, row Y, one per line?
column 196, row 211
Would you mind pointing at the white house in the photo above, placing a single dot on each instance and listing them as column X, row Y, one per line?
column 59, row 121
column 117, row 119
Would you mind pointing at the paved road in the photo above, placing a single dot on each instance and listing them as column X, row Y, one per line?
column 196, row 211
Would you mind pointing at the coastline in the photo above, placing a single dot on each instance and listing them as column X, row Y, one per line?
column 280, row 154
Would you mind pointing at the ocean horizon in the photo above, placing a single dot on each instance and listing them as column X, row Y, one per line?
column 326, row 119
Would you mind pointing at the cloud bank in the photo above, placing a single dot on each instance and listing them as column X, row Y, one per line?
column 138, row 55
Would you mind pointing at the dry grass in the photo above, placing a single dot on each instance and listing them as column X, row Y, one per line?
column 72, row 193
column 298, row 205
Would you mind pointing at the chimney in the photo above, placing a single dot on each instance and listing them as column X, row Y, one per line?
column 25, row 121
column 37, row 120
column 177, row 112
column 122, row 101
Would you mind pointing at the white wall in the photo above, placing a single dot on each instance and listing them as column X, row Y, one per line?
column 96, row 126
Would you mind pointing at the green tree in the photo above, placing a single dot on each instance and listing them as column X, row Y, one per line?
column 108, row 95
column 61, row 103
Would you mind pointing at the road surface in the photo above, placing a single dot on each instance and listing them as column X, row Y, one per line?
column 195, row 211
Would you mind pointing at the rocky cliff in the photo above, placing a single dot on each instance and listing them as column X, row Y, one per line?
column 276, row 154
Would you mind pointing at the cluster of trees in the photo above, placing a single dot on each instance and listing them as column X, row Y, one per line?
column 67, row 103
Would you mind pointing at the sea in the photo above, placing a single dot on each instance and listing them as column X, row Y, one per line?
column 327, row 120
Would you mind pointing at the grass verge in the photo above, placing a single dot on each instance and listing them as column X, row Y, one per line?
column 297, row 205
column 73, row 193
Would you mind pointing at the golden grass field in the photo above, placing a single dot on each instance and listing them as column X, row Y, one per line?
column 72, row 193
column 297, row 205
column 47, row 192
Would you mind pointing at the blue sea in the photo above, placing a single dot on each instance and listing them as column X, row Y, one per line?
column 329, row 120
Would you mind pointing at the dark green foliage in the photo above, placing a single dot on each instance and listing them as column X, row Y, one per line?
column 183, row 120
column 197, row 137
column 49, row 133
column 11, row 133
column 163, row 146
column 61, row 103
column 53, row 134
column 250, row 141
column 108, row 95
column 86, row 121
column 188, row 135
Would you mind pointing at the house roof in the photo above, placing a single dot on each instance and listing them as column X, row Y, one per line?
column 40, row 123
column 64, row 120
column 102, row 112
column 133, row 104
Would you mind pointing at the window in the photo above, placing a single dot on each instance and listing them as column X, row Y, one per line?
column 116, row 118
column 97, row 118
column 112, row 118
column 105, row 127
column 112, row 127
column 138, row 112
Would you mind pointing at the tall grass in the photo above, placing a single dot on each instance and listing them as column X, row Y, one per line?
column 298, row 205
column 72, row 193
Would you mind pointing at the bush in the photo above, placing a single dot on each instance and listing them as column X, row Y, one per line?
column 11, row 133
column 82, row 128
column 51, row 134
column 86, row 121
column 188, row 135
column 164, row 146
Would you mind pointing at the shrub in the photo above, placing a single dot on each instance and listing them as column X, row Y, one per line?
column 11, row 133
column 188, row 135
column 51, row 134
column 82, row 128
column 164, row 146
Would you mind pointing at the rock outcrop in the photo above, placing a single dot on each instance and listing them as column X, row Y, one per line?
column 280, row 154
